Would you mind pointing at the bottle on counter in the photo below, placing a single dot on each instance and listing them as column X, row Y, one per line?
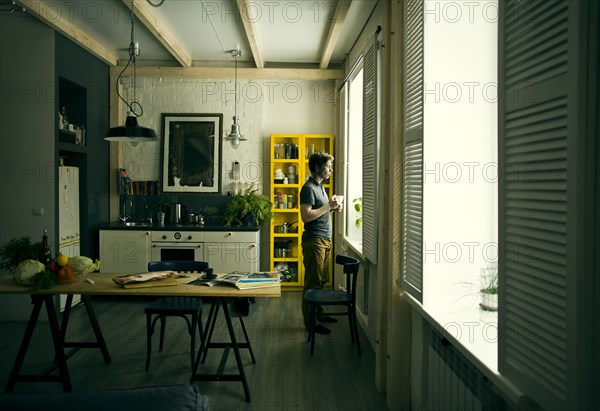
column 45, row 256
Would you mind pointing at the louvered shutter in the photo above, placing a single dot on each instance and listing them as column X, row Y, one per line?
column 340, row 154
column 412, row 179
column 537, row 196
column 370, row 150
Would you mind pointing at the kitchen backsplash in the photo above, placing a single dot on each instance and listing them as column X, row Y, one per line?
column 211, row 207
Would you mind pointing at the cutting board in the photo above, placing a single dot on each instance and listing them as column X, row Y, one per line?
column 146, row 284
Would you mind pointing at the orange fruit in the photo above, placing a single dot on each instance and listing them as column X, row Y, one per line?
column 66, row 275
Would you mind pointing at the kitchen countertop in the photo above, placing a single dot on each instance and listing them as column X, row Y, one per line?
column 179, row 227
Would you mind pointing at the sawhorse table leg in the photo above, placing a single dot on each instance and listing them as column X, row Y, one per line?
column 57, row 340
column 205, row 344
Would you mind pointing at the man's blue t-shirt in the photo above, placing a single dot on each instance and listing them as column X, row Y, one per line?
column 314, row 194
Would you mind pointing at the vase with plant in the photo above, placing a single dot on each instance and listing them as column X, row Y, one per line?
column 161, row 208
column 248, row 208
column 489, row 288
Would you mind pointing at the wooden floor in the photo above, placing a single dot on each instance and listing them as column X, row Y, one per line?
column 285, row 376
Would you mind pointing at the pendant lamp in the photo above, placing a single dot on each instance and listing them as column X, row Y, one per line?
column 131, row 132
column 234, row 136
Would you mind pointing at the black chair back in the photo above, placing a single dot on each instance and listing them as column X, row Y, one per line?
column 350, row 269
column 181, row 266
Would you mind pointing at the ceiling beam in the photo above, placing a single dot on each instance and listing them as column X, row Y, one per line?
column 249, row 26
column 273, row 74
column 341, row 11
column 48, row 15
column 143, row 11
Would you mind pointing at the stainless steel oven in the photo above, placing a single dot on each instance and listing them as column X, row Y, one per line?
column 177, row 245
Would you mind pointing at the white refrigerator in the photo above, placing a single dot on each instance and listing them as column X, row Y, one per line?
column 68, row 218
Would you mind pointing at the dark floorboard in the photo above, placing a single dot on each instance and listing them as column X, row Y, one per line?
column 285, row 376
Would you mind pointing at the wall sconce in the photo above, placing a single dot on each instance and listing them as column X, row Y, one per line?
column 234, row 136
column 131, row 132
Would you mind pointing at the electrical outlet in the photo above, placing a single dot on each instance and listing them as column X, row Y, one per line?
column 37, row 211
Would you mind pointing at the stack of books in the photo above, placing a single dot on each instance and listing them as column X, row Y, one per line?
column 243, row 281
column 127, row 186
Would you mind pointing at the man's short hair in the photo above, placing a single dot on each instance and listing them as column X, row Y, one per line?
column 318, row 160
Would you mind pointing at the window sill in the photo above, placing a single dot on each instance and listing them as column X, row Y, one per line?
column 355, row 244
column 474, row 332
column 475, row 329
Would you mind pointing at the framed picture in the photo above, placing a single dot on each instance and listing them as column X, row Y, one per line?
column 192, row 146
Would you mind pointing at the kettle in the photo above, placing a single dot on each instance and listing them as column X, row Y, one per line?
column 177, row 213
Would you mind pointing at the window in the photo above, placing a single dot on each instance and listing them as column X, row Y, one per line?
column 546, row 171
column 451, row 171
column 362, row 150
column 354, row 155
column 460, row 167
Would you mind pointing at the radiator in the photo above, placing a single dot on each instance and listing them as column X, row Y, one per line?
column 453, row 383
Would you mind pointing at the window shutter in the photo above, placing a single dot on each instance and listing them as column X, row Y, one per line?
column 537, row 199
column 340, row 154
column 412, row 179
column 370, row 150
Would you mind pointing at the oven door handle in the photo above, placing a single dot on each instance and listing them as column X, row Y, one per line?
column 177, row 245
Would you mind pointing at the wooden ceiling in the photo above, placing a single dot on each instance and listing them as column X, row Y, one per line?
column 278, row 38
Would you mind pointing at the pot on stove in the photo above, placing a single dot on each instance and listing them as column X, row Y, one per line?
column 285, row 227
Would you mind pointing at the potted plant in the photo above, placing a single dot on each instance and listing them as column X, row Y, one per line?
column 489, row 288
column 248, row 208
column 358, row 210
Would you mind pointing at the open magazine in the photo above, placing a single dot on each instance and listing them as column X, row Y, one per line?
column 242, row 281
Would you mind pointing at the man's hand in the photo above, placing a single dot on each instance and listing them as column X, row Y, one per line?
column 336, row 204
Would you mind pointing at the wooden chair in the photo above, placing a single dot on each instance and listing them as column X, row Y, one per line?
column 175, row 307
column 345, row 299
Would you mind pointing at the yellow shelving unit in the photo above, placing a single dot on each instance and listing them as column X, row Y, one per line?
column 289, row 158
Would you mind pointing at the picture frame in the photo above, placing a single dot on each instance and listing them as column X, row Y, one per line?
column 192, row 152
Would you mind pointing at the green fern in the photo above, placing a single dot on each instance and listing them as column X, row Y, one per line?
column 249, row 203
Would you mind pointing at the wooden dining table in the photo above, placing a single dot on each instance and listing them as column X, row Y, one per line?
column 103, row 284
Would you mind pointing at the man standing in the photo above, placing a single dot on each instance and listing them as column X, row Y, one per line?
column 316, row 239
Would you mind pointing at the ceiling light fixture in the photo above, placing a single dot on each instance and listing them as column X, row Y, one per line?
column 234, row 136
column 131, row 132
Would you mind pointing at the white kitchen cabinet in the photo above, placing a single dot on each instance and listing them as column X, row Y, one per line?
column 227, row 251
column 124, row 251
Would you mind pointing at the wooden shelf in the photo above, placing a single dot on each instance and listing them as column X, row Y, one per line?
column 71, row 148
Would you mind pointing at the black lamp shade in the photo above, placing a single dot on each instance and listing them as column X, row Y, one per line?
column 131, row 132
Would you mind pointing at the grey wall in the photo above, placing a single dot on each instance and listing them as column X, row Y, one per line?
column 77, row 65
column 26, row 137
column 29, row 72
